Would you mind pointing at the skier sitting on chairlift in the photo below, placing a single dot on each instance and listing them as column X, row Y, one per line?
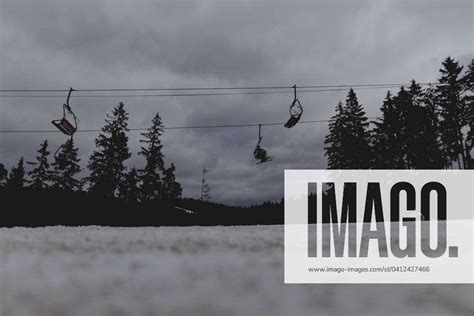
column 259, row 153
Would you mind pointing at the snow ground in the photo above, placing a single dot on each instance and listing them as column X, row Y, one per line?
column 186, row 271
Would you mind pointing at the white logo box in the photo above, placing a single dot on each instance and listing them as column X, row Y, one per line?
column 304, row 260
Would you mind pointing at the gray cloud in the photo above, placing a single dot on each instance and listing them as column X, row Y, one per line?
column 112, row 44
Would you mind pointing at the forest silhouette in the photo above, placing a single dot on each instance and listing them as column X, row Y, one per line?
column 419, row 128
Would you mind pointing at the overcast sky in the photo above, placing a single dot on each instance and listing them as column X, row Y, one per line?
column 153, row 44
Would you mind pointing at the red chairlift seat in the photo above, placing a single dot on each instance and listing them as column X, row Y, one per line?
column 63, row 124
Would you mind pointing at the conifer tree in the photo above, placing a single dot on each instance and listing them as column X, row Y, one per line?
column 171, row 188
column 386, row 138
column 358, row 140
column 129, row 189
column 16, row 180
column 434, row 154
column 66, row 167
column 152, row 186
column 348, row 142
column 412, row 127
column 468, row 82
column 106, row 163
column 334, row 150
column 419, row 138
column 453, row 111
column 403, row 106
column 423, row 150
column 41, row 176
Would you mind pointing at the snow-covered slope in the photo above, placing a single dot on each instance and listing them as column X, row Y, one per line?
column 186, row 271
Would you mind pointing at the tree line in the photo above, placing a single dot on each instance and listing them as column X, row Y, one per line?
column 108, row 174
column 420, row 128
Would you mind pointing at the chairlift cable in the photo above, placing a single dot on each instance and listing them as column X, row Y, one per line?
column 182, row 95
column 176, row 127
column 221, row 88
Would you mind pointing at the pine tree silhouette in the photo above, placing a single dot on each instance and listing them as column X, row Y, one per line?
column 348, row 142
column 434, row 155
column 152, row 186
column 16, row 179
column 422, row 147
column 106, row 164
column 412, row 121
column 453, row 111
column 66, row 167
column 403, row 104
column 387, row 153
column 3, row 175
column 358, row 142
column 468, row 82
column 41, row 175
column 171, row 188
column 334, row 150
column 129, row 191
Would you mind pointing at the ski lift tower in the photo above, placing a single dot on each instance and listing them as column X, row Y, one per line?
column 205, row 189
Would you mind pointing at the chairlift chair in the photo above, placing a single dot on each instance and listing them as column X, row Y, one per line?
column 63, row 124
column 296, row 110
column 259, row 153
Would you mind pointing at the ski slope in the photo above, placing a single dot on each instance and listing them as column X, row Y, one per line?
column 186, row 271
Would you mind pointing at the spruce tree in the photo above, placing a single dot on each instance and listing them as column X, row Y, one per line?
column 403, row 105
column 412, row 121
column 434, row 153
column 129, row 191
column 423, row 149
column 106, row 164
column 357, row 142
column 334, row 150
column 41, row 176
column 152, row 186
column 16, row 180
column 453, row 111
column 468, row 82
column 66, row 167
column 171, row 188
column 386, row 138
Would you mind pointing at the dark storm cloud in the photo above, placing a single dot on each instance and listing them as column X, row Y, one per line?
column 135, row 41
column 128, row 44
